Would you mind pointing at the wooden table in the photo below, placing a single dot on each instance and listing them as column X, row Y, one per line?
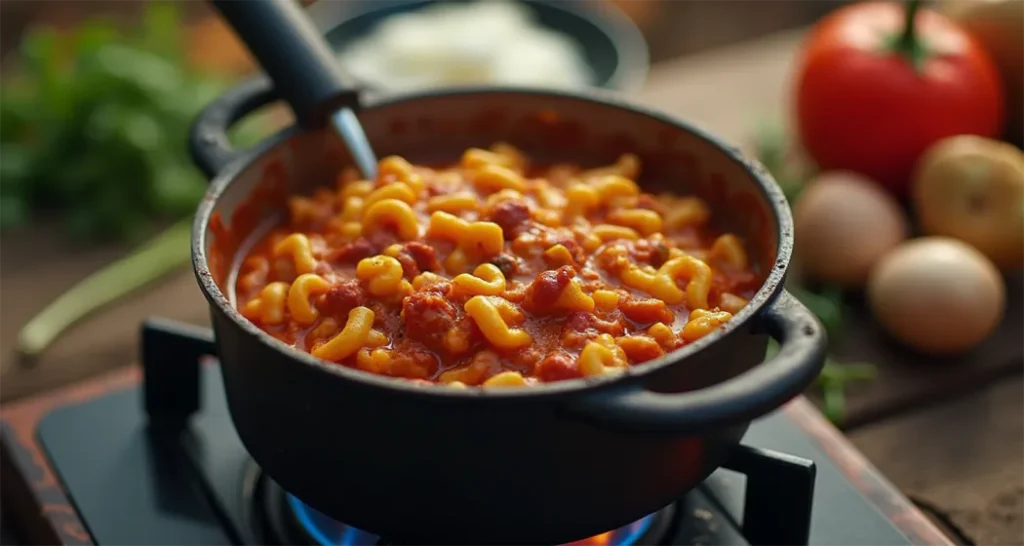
column 956, row 449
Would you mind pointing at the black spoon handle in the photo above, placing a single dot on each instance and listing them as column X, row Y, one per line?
column 294, row 54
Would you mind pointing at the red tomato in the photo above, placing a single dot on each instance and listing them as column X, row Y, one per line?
column 872, row 97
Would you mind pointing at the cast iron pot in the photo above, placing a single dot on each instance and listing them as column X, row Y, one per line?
column 551, row 463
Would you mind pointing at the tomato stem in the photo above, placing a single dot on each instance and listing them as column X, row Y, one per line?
column 907, row 43
column 908, row 38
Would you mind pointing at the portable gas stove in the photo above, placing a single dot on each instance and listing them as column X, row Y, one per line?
column 153, row 458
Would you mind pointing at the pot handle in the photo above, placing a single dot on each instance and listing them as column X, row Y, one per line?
column 801, row 355
column 208, row 138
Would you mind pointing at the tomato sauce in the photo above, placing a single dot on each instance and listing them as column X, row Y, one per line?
column 583, row 274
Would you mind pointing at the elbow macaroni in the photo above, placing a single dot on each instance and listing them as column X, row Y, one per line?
column 601, row 357
column 486, row 280
column 559, row 255
column 729, row 250
column 573, row 298
column 298, row 247
column 702, row 322
column 400, row 170
column 360, row 188
column 489, row 319
column 662, row 283
column 491, row 178
column 301, row 290
column 351, row 338
column 614, row 186
column 479, row 238
column 453, row 203
column 645, row 222
column 392, row 213
column 491, row 273
column 268, row 308
column 399, row 191
column 383, row 275
column 699, row 275
column 608, row 232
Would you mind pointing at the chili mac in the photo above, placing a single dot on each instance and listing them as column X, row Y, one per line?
column 493, row 272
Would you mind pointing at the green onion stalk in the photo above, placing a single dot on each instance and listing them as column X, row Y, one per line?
column 166, row 252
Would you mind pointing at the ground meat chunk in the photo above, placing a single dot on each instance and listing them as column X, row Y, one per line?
column 651, row 251
column 579, row 256
column 547, row 287
column 580, row 321
column 526, row 360
column 641, row 251
column 340, row 299
column 646, row 310
column 424, row 255
column 381, row 317
column 614, row 259
column 381, row 239
column 409, row 267
column 512, row 216
column 351, row 253
column 507, row 263
column 579, row 327
column 428, row 317
column 614, row 325
column 556, row 367
column 441, row 287
column 659, row 253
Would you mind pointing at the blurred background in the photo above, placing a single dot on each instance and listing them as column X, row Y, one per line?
column 97, row 188
column 672, row 28
column 97, row 97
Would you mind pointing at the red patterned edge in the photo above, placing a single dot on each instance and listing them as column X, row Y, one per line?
column 31, row 490
column 865, row 477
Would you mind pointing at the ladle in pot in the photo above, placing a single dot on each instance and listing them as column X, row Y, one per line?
column 301, row 64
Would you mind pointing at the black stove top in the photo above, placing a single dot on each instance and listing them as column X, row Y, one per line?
column 134, row 475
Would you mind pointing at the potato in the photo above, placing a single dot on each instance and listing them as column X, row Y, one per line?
column 972, row 188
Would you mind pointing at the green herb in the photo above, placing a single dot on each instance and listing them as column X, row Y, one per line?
column 93, row 130
column 94, row 126
column 833, row 380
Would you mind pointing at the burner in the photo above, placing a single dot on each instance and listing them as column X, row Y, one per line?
column 325, row 531
column 163, row 462
column 300, row 522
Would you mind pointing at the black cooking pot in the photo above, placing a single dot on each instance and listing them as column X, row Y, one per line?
column 550, row 463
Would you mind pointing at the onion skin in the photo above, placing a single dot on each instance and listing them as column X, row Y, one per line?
column 844, row 224
column 938, row 295
column 972, row 189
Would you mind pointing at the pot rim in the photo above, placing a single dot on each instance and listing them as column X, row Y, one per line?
column 769, row 290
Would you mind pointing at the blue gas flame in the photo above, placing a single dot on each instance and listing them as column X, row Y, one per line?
column 329, row 532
